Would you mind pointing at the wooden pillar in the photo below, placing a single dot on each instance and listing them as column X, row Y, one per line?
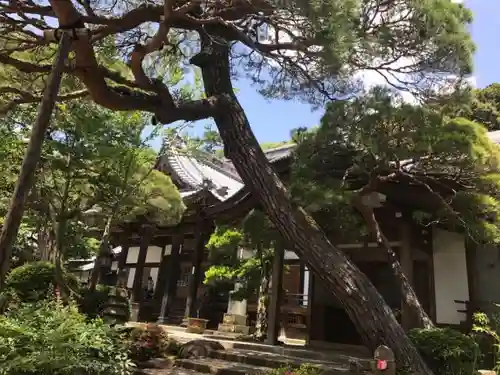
column 310, row 302
column 146, row 233
column 406, row 260
column 170, row 286
column 122, row 260
column 162, row 273
column 273, row 325
column 201, row 238
column 470, row 263
column 302, row 291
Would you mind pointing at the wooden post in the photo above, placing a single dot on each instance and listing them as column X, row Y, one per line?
column 302, row 291
column 273, row 324
column 195, row 275
column 146, row 234
column 170, row 287
column 406, row 260
column 26, row 177
column 384, row 361
column 470, row 263
column 162, row 273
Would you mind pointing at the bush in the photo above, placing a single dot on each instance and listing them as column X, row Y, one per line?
column 487, row 330
column 301, row 370
column 148, row 342
column 446, row 351
column 33, row 281
column 48, row 338
column 94, row 303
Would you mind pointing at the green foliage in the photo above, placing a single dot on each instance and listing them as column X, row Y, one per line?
column 271, row 145
column 488, row 330
column 94, row 302
column 148, row 342
column 95, row 165
column 484, row 107
column 381, row 139
column 47, row 338
column 305, row 369
column 255, row 234
column 223, row 245
column 447, row 351
column 33, row 281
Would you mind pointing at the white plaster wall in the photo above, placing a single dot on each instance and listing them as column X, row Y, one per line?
column 131, row 276
column 154, row 274
column 450, row 276
column 168, row 250
column 133, row 254
column 153, row 255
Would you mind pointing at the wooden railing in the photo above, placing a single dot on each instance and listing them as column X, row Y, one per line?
column 469, row 308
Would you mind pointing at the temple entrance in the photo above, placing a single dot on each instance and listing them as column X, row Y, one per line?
column 329, row 321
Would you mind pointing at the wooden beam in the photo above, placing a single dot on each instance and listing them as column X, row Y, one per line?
column 122, row 260
column 273, row 324
column 470, row 263
column 406, row 260
column 137, row 290
column 310, row 301
column 195, row 275
column 170, row 287
column 162, row 274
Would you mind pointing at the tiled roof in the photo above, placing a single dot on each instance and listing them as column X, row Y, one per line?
column 221, row 175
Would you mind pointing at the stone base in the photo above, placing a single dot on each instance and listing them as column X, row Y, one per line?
column 235, row 319
column 234, row 328
column 134, row 313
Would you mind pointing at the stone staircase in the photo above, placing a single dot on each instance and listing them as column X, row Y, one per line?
column 252, row 359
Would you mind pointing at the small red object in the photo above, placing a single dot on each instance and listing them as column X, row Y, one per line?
column 381, row 365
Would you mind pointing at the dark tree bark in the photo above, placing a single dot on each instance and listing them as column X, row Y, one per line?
column 407, row 292
column 365, row 306
column 104, row 251
column 31, row 158
column 263, row 298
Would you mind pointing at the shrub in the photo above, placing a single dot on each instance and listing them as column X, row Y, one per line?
column 48, row 338
column 33, row 281
column 148, row 342
column 94, row 303
column 447, row 351
column 305, row 369
column 488, row 334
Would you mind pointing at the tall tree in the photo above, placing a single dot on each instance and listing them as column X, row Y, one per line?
column 96, row 170
column 253, row 275
column 484, row 107
column 319, row 52
column 379, row 144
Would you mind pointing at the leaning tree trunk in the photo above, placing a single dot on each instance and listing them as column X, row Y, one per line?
column 408, row 293
column 365, row 306
column 262, row 304
column 31, row 158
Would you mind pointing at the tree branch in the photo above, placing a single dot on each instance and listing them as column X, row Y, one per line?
column 25, row 97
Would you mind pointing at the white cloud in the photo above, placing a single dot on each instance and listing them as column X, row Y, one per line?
column 369, row 78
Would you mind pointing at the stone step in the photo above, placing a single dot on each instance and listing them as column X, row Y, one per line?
column 167, row 371
column 306, row 355
column 216, row 366
column 272, row 360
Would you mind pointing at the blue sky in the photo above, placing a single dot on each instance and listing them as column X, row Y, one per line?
column 272, row 120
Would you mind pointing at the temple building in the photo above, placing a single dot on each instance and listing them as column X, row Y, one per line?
column 451, row 276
